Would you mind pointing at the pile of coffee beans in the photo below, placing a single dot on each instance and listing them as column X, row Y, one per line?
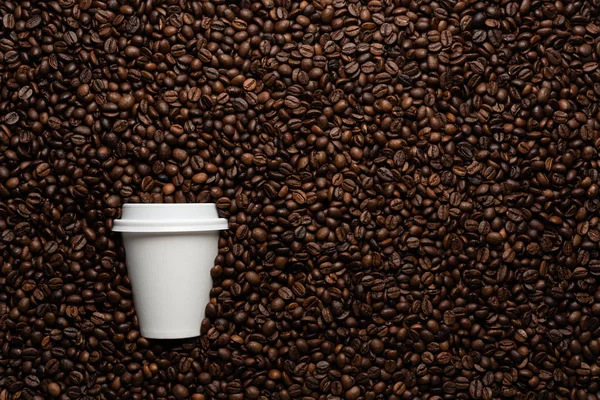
column 411, row 188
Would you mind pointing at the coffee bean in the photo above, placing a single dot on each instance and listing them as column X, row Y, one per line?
column 170, row 96
column 33, row 22
column 53, row 389
column 259, row 234
column 411, row 190
column 110, row 46
column 180, row 392
column 25, row 93
column 476, row 389
column 446, row 38
column 250, row 84
column 8, row 20
column 11, row 118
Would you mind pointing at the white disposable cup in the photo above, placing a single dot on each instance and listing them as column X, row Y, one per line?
column 170, row 250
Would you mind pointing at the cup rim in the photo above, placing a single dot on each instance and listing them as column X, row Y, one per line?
column 157, row 226
column 169, row 217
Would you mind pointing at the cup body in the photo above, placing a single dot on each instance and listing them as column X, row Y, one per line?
column 169, row 258
column 171, row 281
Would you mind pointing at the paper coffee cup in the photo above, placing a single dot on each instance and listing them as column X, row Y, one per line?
column 170, row 250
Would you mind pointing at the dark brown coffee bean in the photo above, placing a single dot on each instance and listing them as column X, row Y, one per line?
column 476, row 389
column 11, row 118
column 25, row 93
column 170, row 96
column 110, row 46
column 33, row 22
column 8, row 20
column 446, row 38
column 180, row 392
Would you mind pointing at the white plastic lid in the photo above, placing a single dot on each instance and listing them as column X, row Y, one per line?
column 171, row 217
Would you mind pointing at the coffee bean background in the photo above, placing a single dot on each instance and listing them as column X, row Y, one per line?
column 411, row 189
